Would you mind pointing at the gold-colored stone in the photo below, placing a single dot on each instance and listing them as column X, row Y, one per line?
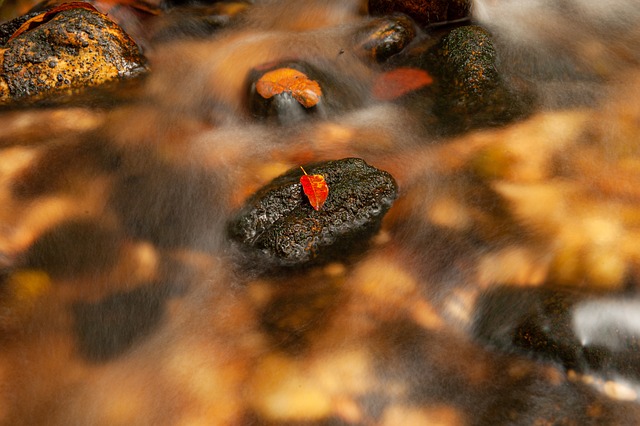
column 77, row 48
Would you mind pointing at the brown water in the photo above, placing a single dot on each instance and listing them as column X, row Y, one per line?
column 124, row 302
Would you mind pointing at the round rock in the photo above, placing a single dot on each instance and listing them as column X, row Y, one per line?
column 279, row 226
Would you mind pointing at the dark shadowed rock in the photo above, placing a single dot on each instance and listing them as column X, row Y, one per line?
column 425, row 12
column 278, row 225
column 194, row 19
column 468, row 90
column 583, row 331
column 107, row 328
column 386, row 36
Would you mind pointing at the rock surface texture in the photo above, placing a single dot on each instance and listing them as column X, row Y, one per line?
column 279, row 223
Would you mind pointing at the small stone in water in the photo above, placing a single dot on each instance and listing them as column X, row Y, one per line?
column 423, row 11
column 280, row 226
column 286, row 93
column 470, row 91
column 387, row 36
column 548, row 322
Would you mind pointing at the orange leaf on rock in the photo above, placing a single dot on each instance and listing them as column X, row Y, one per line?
column 315, row 188
column 301, row 87
column 400, row 81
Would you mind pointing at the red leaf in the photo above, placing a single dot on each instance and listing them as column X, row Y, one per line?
column 400, row 81
column 315, row 188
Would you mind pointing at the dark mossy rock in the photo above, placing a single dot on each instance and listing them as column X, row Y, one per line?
column 425, row 12
column 458, row 9
column 590, row 333
column 71, row 50
column 279, row 226
column 469, row 54
column 386, row 36
column 468, row 89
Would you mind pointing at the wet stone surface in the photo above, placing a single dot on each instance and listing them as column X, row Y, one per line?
column 320, row 93
column 468, row 90
column 74, row 49
column 278, row 223
column 387, row 36
column 185, row 20
column 286, row 93
column 581, row 331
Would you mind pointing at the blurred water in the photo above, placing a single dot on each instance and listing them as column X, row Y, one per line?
column 128, row 304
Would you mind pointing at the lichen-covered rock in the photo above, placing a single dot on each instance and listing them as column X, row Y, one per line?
column 279, row 226
column 583, row 331
column 469, row 56
column 69, row 50
column 425, row 12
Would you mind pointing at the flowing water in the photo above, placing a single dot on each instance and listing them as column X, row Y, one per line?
column 500, row 289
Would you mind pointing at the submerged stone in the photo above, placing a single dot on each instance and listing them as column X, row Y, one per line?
column 386, row 36
column 279, row 225
column 586, row 332
column 301, row 91
column 425, row 12
column 286, row 93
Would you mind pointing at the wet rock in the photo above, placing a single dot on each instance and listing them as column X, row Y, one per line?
column 588, row 333
column 71, row 49
column 280, row 227
column 469, row 91
column 469, row 53
column 301, row 91
column 387, row 36
column 73, row 248
column 183, row 201
column 9, row 27
column 300, row 310
column 425, row 12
